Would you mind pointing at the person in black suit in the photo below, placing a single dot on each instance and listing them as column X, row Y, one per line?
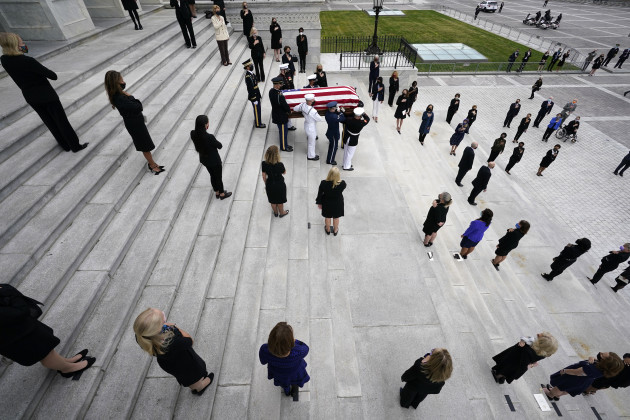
column 302, row 45
column 548, row 159
column 452, row 108
column 32, row 79
column 208, row 148
column 26, row 341
column 427, row 376
column 545, row 109
column 466, row 163
column 221, row 5
column 472, row 116
column 258, row 53
column 253, row 93
column 610, row 262
column 516, row 157
column 625, row 163
column 248, row 20
column 509, row 242
column 132, row 7
column 612, row 53
column 554, row 59
column 287, row 58
column 330, row 199
column 536, row 87
column 524, row 61
column 280, row 113
column 374, row 72
column 522, row 127
column 515, row 108
column 567, row 257
column 184, row 18
column 480, row 183
column 511, row 60
column 394, row 87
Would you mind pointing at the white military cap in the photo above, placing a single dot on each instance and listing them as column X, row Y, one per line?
column 309, row 96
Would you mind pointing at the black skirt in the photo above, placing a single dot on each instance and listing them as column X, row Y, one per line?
column 130, row 4
column 139, row 133
column 276, row 191
column 31, row 348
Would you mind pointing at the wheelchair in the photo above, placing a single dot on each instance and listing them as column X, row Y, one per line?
column 563, row 134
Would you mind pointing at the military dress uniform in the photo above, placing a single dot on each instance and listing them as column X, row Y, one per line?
column 311, row 118
column 333, row 118
column 287, row 84
column 253, row 93
column 351, row 136
column 280, row 113
column 312, row 82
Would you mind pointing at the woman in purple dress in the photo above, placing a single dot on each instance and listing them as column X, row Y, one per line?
column 474, row 234
column 284, row 357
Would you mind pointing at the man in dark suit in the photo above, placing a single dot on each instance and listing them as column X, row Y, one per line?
column 554, row 59
column 511, row 60
column 625, row 163
column 480, row 183
column 612, row 53
column 528, row 54
column 545, row 109
column 512, row 112
column 253, row 93
column 280, row 113
column 184, row 18
column 466, row 163
column 374, row 72
column 302, row 45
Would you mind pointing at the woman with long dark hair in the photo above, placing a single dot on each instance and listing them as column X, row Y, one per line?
column 130, row 109
column 509, row 242
column 208, row 148
column 425, row 126
column 567, row 257
column 474, row 234
column 401, row 109
column 276, row 38
column 272, row 175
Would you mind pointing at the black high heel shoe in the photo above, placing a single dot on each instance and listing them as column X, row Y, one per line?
column 76, row 375
column 155, row 171
column 83, row 353
column 199, row 393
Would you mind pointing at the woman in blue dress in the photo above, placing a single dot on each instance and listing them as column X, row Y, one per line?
column 427, row 121
column 458, row 135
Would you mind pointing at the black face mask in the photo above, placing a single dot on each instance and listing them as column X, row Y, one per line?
column 123, row 86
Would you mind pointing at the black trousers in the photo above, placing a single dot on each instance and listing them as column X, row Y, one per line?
column 216, row 177
column 622, row 167
column 390, row 98
column 511, row 164
column 134, row 17
column 187, row 28
column 410, row 397
column 493, row 155
column 260, row 69
column 619, row 63
column 606, row 61
column 55, row 118
column 539, row 118
column 223, row 50
column 302, row 62
column 508, row 120
column 422, row 137
column 222, row 13
column 257, row 113
column 509, row 66
column 449, row 115
column 519, row 133
column 548, row 132
column 371, row 83
column 460, row 175
column 599, row 274
column 550, row 66
column 474, row 193
column 586, row 63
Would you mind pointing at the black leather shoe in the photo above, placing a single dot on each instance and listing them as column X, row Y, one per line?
column 351, row 169
column 199, row 393
column 261, row 126
column 292, row 128
column 225, row 195
column 459, row 184
column 81, row 147
column 334, row 162
column 315, row 158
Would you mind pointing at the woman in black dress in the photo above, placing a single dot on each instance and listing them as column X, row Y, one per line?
column 132, row 7
column 276, row 38
column 548, row 159
column 173, row 349
column 514, row 361
column 330, row 199
column 427, row 376
column 272, row 171
column 543, row 60
column 597, row 64
column 208, row 148
column 509, row 241
column 452, row 108
column 413, row 95
column 472, row 116
column 522, row 127
column 561, row 61
column 394, row 87
column 130, row 109
column 248, row 20
column 258, row 53
column 321, row 80
column 32, row 79
column 26, row 341
column 436, row 217
column 567, row 257
column 516, row 157
column 287, row 58
column 401, row 109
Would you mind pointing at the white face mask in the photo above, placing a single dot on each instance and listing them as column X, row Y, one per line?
column 301, row 33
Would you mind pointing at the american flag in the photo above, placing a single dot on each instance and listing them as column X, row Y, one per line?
column 346, row 97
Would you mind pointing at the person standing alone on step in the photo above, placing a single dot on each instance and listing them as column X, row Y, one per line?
column 302, row 46
column 184, row 18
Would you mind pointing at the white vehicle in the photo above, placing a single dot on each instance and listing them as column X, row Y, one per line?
column 489, row 6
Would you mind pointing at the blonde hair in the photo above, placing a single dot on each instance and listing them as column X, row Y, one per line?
column 439, row 367
column 272, row 155
column 253, row 30
column 216, row 8
column 545, row 344
column 148, row 330
column 10, row 43
column 334, row 176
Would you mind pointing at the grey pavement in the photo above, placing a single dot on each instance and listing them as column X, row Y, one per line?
column 98, row 239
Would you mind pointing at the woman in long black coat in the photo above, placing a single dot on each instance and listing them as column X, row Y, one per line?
column 26, row 341
column 611, row 261
column 208, row 148
column 514, row 361
column 32, row 79
column 276, row 38
column 130, row 109
column 436, row 217
column 330, row 199
column 132, row 7
column 394, row 86
column 248, row 20
column 509, row 242
column 517, row 155
column 452, row 108
column 427, row 376
column 567, row 257
column 272, row 171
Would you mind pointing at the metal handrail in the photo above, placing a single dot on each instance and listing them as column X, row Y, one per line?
column 493, row 68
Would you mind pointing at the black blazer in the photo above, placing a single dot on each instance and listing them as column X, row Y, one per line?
column 517, row 154
column 302, row 44
column 612, row 261
column 524, row 125
column 626, row 158
column 394, row 84
column 510, row 240
column 289, row 61
column 417, row 380
column 454, row 106
column 128, row 106
column 545, row 107
column 472, row 116
column 208, row 148
column 16, row 320
column 182, row 11
column 253, row 93
column 482, row 178
column 31, row 77
column 258, row 50
column 466, row 162
column 514, row 109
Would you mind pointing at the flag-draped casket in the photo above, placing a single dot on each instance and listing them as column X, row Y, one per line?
column 346, row 97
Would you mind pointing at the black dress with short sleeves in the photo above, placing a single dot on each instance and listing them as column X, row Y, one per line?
column 181, row 360
column 331, row 199
column 275, row 186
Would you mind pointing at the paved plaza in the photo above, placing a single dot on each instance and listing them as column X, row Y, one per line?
column 98, row 239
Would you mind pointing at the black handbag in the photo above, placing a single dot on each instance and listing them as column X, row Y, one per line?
column 294, row 58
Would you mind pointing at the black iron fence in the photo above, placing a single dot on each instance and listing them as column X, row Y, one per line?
column 396, row 52
column 349, row 44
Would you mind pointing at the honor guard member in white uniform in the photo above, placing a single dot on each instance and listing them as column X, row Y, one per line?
column 253, row 92
column 280, row 111
column 311, row 118
column 287, row 79
column 351, row 136
column 333, row 117
column 312, row 79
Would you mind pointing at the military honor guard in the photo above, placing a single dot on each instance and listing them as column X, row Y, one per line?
column 312, row 81
column 311, row 118
column 334, row 116
column 351, row 136
column 287, row 84
column 280, row 112
column 253, row 92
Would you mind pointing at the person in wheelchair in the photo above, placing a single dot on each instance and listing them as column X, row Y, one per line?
column 572, row 128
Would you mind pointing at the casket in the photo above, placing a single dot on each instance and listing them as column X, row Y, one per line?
column 346, row 97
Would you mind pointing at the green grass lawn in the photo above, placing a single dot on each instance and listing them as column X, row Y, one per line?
column 425, row 26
